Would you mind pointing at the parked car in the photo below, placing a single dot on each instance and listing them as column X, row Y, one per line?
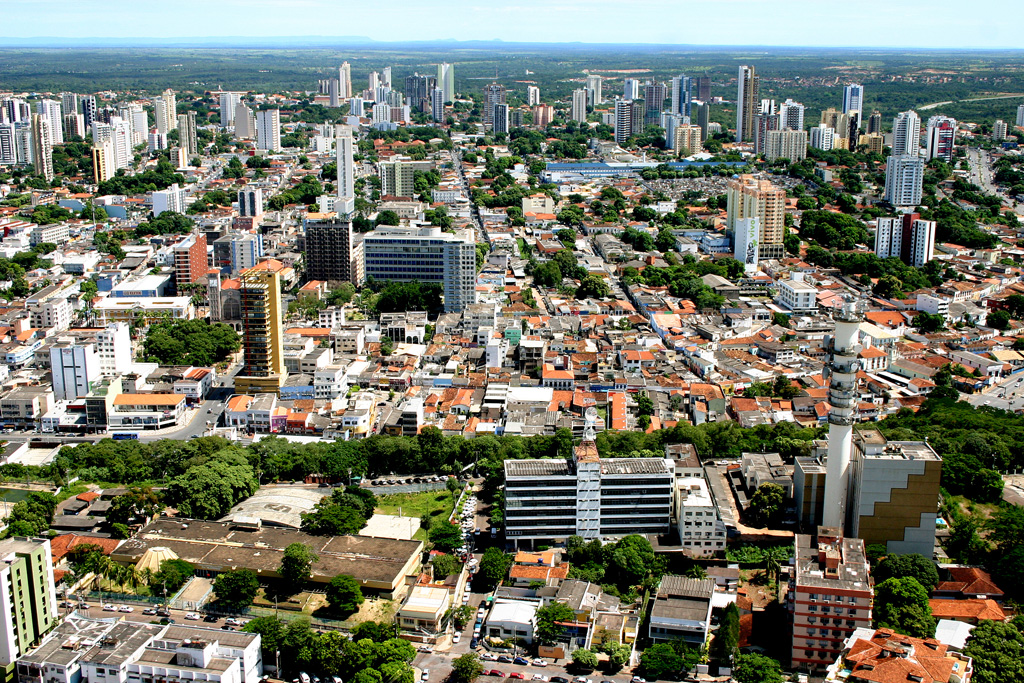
column 521, row 660
column 109, row 608
column 149, row 611
column 637, row 679
column 494, row 672
column 540, row 662
column 425, row 675
column 473, row 643
column 192, row 616
column 516, row 674
column 125, row 608
column 505, row 659
column 231, row 621
column 210, row 618
column 424, row 649
column 559, row 679
column 163, row 612
column 457, row 637
column 539, row 677
column 490, row 657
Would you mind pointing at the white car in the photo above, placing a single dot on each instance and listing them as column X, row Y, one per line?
column 539, row 677
column 540, row 662
column 109, row 608
column 424, row 649
column 231, row 621
column 192, row 616
column 457, row 637
column 425, row 675
column 489, row 657
column 125, row 608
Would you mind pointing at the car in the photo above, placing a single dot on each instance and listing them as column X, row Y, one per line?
column 67, row 604
column 559, row 679
column 539, row 677
column 582, row 679
column 192, row 616
column 637, row 679
column 149, row 611
column 231, row 621
column 474, row 642
column 210, row 618
column 521, row 660
column 540, row 662
column 83, row 605
column 424, row 649
column 163, row 612
column 457, row 637
column 489, row 657
column 109, row 608
column 505, row 659
column 225, row 627
column 516, row 674
column 494, row 672
column 125, row 608
column 425, row 675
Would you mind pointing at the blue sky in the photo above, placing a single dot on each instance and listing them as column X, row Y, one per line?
column 894, row 24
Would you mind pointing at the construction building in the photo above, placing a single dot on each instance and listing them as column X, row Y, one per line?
column 263, row 368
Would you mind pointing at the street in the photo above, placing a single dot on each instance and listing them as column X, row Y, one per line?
column 1007, row 395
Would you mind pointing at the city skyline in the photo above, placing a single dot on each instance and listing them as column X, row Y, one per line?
column 803, row 25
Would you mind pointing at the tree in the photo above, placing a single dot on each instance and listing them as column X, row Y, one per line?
column 902, row 605
column 445, row 536
column 387, row 346
column 297, row 565
column 190, row 342
column 494, row 566
column 584, row 659
column 547, row 274
column 342, row 513
column 766, row 503
column 170, row 576
column 889, row 287
column 1006, row 528
column 997, row 651
column 445, row 565
column 999, row 320
column 727, row 637
column 631, row 560
column 32, row 516
column 344, row 594
column 466, row 668
column 236, row 589
column 912, row 564
column 139, row 501
column 661, row 661
column 755, row 668
column 644, row 405
column 548, row 630
column 209, row 489
column 387, row 217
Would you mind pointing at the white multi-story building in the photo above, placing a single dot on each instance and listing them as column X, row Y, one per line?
column 853, row 101
column 250, row 201
column 701, row 529
column 28, row 599
column 165, row 110
column 446, row 81
column 905, row 237
column 579, row 105
column 623, row 120
column 437, row 105
column 245, row 122
column 229, row 102
column 268, row 130
column 1020, row 115
column 906, row 134
column 593, row 87
column 745, row 248
column 999, row 130
column 791, row 115
column 786, row 144
column 114, row 347
column 532, row 95
column 797, row 295
column 345, row 146
column 42, row 146
column 74, row 367
column 424, row 255
column 941, row 138
column 904, row 179
column 51, row 111
column 53, row 314
column 822, row 137
column 171, row 199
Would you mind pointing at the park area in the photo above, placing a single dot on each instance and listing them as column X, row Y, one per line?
column 434, row 505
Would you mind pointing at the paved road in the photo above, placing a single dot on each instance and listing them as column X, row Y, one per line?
column 1008, row 395
column 933, row 105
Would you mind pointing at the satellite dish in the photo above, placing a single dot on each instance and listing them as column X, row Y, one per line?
column 590, row 414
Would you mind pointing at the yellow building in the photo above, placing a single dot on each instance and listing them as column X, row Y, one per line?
column 262, row 345
column 873, row 141
column 688, row 139
column 750, row 197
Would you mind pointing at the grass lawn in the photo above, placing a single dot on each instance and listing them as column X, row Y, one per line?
column 437, row 504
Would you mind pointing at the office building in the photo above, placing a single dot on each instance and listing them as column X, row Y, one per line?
column 829, row 596
column 588, row 496
column 263, row 368
column 906, row 134
column 907, row 238
column 446, row 81
column 189, row 260
column 654, row 100
column 680, row 95
column 42, row 147
column 89, row 110
column 268, row 130
column 941, row 137
column 171, row 199
column 904, row 179
column 74, row 369
column 703, row 88
column 229, row 102
column 28, row 597
column 499, row 121
column 747, row 101
column 329, row 250
column 593, row 88
column 417, row 91
column 686, row 140
column 532, row 95
column 1020, row 115
column 631, row 89
column 853, row 101
column 703, row 114
column 396, row 178
column 875, row 123
column 187, row 139
column 236, row 252
column 250, row 201
column 493, row 94
column 749, row 197
column 791, row 115
column 822, row 137
column 999, row 130
column 786, row 144
column 424, row 255
column 51, row 111
column 578, row 112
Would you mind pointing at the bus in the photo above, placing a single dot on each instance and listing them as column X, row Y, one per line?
column 125, row 436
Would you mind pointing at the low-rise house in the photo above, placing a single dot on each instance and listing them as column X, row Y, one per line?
column 682, row 610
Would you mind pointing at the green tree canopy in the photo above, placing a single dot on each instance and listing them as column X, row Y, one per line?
column 548, row 630
column 236, row 589
column 344, row 594
column 466, row 668
column 190, row 342
column 297, row 565
column 902, row 605
column 755, row 668
column 912, row 564
column 997, row 651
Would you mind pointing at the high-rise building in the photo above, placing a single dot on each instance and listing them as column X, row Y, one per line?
column 8, row 145
column 765, row 123
column 424, row 255
column 499, row 123
column 680, row 95
column 786, row 144
column 74, row 125
column 42, row 147
column 263, row 369
column 493, row 94
column 639, row 117
column 165, row 110
column 74, row 368
column 103, row 167
column 189, row 260
column 396, row 178
column 837, row 121
column 578, row 111
column 875, row 123
column 345, row 81
column 28, row 596
column 874, row 143
column 853, row 100
column 356, row 107
column 268, row 130
column 344, row 145
column 623, row 121
column 245, row 122
column 171, row 199
column 89, row 110
column 51, row 111
column 385, row 77
column 999, row 129
column 749, row 197
column 703, row 88
column 904, row 179
column 329, row 250
column 593, row 87
column 532, row 95
column 69, row 103
column 437, row 105
column 791, row 115
column 631, row 89
column 830, row 595
column 941, row 138
column 670, row 122
column 250, row 201
column 446, row 81
column 907, row 238
column 114, row 345
column 654, row 100
column 906, row 134
column 543, row 115
column 686, row 140
column 822, row 137
column 187, row 139
column 417, row 91
column 136, row 114
column 1020, row 115
column 229, row 102
column 747, row 100
column 703, row 112
column 744, row 242
column 333, row 86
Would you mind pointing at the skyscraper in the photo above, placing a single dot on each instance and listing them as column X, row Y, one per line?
column 941, row 138
column 333, row 86
column 749, row 197
column 500, row 119
column 345, row 81
column 853, row 100
column 165, row 109
column 73, row 368
column 654, row 101
column 791, row 115
column 906, row 133
column 747, row 101
column 765, row 122
column 837, row 121
column 1020, row 115
column 579, row 106
column 437, row 105
column 417, row 91
column 263, row 369
column 593, row 87
column 623, row 121
column 905, row 237
column 187, row 139
column 446, row 81
column 385, row 77
column 822, row 137
column 493, row 94
column 703, row 88
column 680, row 95
column 329, row 250
column 245, row 122
column 396, row 178
column 268, row 130
column 631, row 89
column 50, row 110
column 532, row 95
column 69, row 103
column 8, row 145
column 703, row 119
column 42, row 147
column 89, row 111
column 904, row 178
column 228, row 105
column 686, row 139
column 344, row 145
column 875, row 123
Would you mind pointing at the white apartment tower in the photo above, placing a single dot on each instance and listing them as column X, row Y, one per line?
column 268, row 130
column 999, row 130
column 906, row 133
column 786, row 144
column 532, row 95
column 74, row 368
column 822, row 137
column 623, row 121
column 345, row 147
column 245, row 122
column 905, row 237
column 42, row 147
column 165, row 109
column 941, row 138
column 791, row 115
column 114, row 346
column 250, row 201
column 437, row 105
column 579, row 105
column 593, row 87
column 747, row 90
column 631, row 89
column 904, row 178
column 51, row 111
column 446, row 81
column 1020, row 115
column 229, row 102
column 345, row 81
column 853, row 101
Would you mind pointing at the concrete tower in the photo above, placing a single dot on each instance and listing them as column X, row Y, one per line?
column 842, row 395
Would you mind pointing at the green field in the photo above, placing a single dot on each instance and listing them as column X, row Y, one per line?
column 437, row 504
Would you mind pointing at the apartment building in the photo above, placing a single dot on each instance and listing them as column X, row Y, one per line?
column 750, row 197
column 905, row 237
column 28, row 597
column 701, row 529
column 329, row 250
column 190, row 262
column 262, row 336
column 797, row 295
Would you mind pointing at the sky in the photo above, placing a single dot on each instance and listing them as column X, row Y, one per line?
column 939, row 24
